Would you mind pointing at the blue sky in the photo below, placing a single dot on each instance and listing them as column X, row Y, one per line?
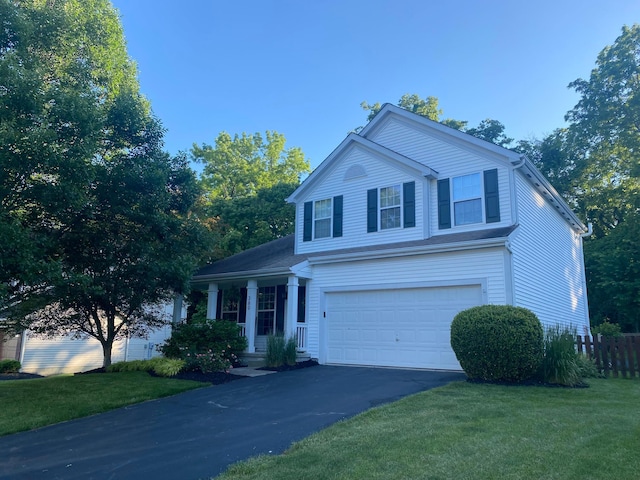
column 302, row 68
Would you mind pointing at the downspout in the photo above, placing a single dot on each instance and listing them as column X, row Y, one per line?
column 510, row 279
column 584, row 235
column 523, row 160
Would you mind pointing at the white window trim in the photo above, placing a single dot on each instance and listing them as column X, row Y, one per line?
column 401, row 205
column 330, row 218
column 237, row 312
column 267, row 310
column 481, row 198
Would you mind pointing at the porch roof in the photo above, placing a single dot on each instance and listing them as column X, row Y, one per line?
column 277, row 258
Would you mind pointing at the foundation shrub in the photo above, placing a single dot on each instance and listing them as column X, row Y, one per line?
column 498, row 343
column 9, row 366
column 560, row 364
column 220, row 338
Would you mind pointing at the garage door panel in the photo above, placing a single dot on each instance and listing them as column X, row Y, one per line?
column 404, row 327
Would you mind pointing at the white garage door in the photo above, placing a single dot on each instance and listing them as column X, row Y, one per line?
column 400, row 328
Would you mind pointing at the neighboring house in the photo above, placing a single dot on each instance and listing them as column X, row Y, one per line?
column 49, row 356
column 404, row 225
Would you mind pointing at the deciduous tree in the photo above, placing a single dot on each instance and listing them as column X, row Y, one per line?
column 98, row 218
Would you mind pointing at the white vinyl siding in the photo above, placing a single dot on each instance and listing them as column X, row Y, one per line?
column 52, row 356
column 379, row 173
column 431, row 270
column 547, row 262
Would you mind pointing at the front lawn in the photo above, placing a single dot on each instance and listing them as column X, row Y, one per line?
column 475, row 431
column 28, row 404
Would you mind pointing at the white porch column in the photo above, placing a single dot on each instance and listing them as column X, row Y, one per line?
column 212, row 301
column 291, row 320
column 250, row 320
column 177, row 309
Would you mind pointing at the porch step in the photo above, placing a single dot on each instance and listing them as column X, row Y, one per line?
column 257, row 360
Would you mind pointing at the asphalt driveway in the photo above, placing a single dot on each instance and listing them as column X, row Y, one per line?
column 198, row 434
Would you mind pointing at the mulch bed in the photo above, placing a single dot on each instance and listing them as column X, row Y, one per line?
column 19, row 376
column 286, row 368
column 215, row 378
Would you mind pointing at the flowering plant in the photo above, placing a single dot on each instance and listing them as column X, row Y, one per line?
column 208, row 362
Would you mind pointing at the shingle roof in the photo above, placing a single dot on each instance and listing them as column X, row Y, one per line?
column 278, row 255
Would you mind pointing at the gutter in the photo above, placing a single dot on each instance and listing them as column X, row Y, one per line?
column 415, row 250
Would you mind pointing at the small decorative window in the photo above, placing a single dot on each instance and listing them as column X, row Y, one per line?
column 322, row 218
column 390, row 207
column 467, row 199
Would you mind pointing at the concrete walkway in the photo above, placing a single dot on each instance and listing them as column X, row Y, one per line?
column 199, row 433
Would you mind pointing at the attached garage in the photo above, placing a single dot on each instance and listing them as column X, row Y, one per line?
column 406, row 327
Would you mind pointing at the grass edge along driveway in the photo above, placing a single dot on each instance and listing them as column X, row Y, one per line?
column 29, row 404
column 474, row 431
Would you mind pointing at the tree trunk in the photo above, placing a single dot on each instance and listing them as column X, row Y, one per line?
column 106, row 352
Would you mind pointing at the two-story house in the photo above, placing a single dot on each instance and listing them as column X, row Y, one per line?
column 401, row 227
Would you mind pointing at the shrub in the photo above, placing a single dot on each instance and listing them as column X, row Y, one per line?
column 498, row 342
column 607, row 329
column 207, row 362
column 588, row 367
column 168, row 367
column 202, row 336
column 560, row 362
column 164, row 367
column 280, row 351
column 9, row 366
column 275, row 351
column 290, row 351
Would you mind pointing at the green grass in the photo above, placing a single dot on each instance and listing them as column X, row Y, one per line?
column 475, row 431
column 29, row 404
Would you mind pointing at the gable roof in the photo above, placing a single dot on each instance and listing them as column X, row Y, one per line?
column 277, row 258
column 350, row 141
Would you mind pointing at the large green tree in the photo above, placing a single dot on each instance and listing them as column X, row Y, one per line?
column 488, row 129
column 97, row 219
column 246, row 179
column 594, row 163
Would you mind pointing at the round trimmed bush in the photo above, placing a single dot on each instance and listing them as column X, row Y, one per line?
column 498, row 342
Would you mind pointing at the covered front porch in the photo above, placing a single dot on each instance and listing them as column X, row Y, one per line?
column 261, row 307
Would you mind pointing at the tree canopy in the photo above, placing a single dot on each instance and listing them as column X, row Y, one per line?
column 246, row 179
column 96, row 220
column 488, row 129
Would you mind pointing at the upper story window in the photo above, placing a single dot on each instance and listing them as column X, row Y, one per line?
column 467, row 199
column 475, row 199
column 322, row 219
column 391, row 207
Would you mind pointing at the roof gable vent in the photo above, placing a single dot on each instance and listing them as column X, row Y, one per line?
column 355, row 171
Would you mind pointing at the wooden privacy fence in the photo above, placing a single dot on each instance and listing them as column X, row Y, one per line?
column 619, row 356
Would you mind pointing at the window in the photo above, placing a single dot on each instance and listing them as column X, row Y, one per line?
column 391, row 207
column 231, row 304
column 322, row 218
column 390, row 201
column 475, row 197
column 467, row 199
column 266, row 310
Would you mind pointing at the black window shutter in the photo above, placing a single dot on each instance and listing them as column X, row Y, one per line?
column 308, row 222
column 491, row 197
column 337, row 216
column 372, row 210
column 409, row 201
column 444, row 204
